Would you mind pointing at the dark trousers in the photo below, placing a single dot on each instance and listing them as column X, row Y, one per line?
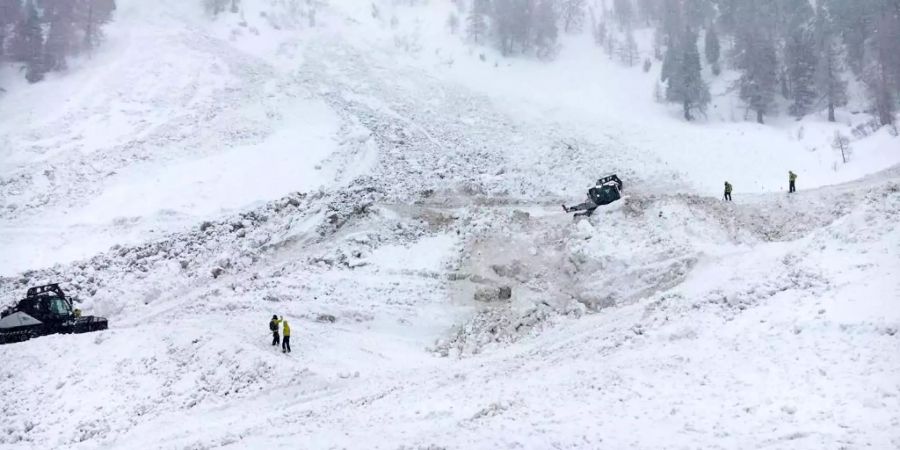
column 275, row 338
column 728, row 196
column 286, row 344
column 587, row 208
column 792, row 187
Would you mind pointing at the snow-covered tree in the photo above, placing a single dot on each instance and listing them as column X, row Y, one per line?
column 685, row 81
column 215, row 7
column 841, row 143
column 624, row 13
column 27, row 44
column 829, row 81
column 712, row 49
column 10, row 11
column 512, row 24
column 598, row 29
column 476, row 21
column 759, row 78
column 755, row 56
column 882, row 73
column 90, row 16
column 629, row 53
column 697, row 13
column 572, row 14
column 801, row 60
column 61, row 38
column 544, row 28
column 453, row 23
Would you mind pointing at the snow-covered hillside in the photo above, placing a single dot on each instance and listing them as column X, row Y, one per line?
column 377, row 183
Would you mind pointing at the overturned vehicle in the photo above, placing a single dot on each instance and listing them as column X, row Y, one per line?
column 607, row 190
column 45, row 310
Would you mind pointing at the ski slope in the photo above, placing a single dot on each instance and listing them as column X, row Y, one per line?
column 203, row 175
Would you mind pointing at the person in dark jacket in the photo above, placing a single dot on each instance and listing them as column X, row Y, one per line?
column 792, row 182
column 728, row 191
column 273, row 327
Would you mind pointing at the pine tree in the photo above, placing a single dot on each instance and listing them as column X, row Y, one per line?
column 791, row 15
column 801, row 60
column 697, row 13
column 712, row 49
column 476, row 22
column 828, row 70
column 624, row 12
column 756, row 56
column 91, row 15
column 629, row 51
column 881, row 75
column 685, row 84
column 648, row 11
column 672, row 30
column 503, row 24
column 572, row 13
column 671, row 60
column 544, row 28
column 727, row 21
column 215, row 7
column 61, row 36
column 28, row 44
column 759, row 77
column 886, row 44
column 10, row 11
column 854, row 19
column 513, row 25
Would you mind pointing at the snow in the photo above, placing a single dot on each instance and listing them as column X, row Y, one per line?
column 199, row 176
column 426, row 254
column 287, row 160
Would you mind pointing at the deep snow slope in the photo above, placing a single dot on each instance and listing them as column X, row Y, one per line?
column 368, row 181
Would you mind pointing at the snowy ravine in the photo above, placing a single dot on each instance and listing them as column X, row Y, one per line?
column 203, row 176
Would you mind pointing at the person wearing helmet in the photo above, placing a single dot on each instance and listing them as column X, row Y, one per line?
column 273, row 327
column 286, row 342
column 727, row 191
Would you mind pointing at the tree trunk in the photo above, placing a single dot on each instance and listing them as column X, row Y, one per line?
column 759, row 116
column 687, row 111
column 830, row 111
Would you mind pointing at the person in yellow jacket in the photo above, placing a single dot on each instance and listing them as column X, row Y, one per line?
column 286, row 336
column 792, row 182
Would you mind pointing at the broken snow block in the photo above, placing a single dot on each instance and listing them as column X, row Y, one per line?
column 493, row 294
column 216, row 272
column 326, row 318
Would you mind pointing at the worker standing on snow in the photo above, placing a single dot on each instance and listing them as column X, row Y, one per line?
column 792, row 182
column 286, row 342
column 273, row 327
column 728, row 191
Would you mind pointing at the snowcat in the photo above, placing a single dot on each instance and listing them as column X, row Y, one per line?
column 607, row 190
column 45, row 310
